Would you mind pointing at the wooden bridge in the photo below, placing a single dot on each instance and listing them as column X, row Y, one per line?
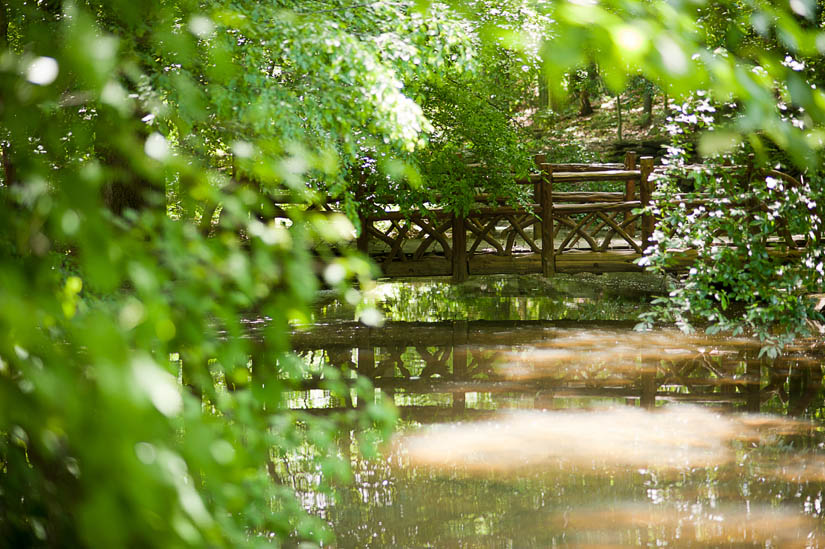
column 559, row 232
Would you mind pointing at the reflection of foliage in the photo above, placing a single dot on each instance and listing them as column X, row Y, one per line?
column 511, row 298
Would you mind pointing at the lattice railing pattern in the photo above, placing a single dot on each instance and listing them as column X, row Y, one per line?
column 701, row 374
column 596, row 231
column 503, row 234
column 421, row 361
column 410, row 239
column 571, row 231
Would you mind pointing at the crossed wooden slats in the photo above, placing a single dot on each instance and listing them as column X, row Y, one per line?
column 386, row 366
column 517, row 226
column 481, row 363
column 577, row 228
column 617, row 229
column 434, row 234
column 436, row 361
column 483, row 234
column 600, row 220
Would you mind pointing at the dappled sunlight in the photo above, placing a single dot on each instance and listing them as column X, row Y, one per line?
column 601, row 441
column 617, row 438
column 615, row 296
column 198, row 201
column 564, row 351
column 695, row 525
column 803, row 468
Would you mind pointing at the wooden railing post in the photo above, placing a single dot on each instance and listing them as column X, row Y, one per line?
column 548, row 247
column 647, row 391
column 753, row 375
column 460, row 267
column 645, row 195
column 540, row 160
column 630, row 190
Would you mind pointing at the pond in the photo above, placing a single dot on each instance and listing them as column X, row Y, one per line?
column 533, row 415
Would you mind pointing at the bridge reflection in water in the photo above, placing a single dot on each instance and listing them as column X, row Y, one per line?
column 541, row 362
column 576, row 434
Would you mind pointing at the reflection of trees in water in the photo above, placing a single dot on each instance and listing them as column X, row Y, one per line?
column 522, row 298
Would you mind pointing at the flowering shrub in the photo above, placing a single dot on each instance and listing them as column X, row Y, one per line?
column 754, row 235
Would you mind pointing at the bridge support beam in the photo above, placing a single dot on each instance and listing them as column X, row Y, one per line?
column 363, row 241
column 645, row 195
column 539, row 160
column 548, row 246
column 460, row 267
column 630, row 190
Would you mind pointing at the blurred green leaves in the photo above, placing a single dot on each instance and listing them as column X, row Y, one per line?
column 165, row 170
column 138, row 226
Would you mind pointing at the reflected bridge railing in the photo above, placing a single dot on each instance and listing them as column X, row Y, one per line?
column 491, row 363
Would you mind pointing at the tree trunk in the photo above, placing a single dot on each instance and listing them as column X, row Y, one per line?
column 120, row 196
column 4, row 27
column 584, row 101
column 619, row 115
column 544, row 92
column 583, row 82
column 126, row 190
column 205, row 226
column 647, row 107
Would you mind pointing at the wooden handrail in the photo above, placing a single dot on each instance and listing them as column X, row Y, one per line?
column 597, row 207
column 577, row 167
column 613, row 175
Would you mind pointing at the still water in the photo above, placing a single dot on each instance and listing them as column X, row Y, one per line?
column 532, row 415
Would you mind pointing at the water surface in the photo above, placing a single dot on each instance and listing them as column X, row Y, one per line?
column 532, row 415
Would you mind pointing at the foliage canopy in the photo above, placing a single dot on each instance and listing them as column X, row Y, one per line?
column 144, row 147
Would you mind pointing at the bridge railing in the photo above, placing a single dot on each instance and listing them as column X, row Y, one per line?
column 561, row 231
column 574, row 230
